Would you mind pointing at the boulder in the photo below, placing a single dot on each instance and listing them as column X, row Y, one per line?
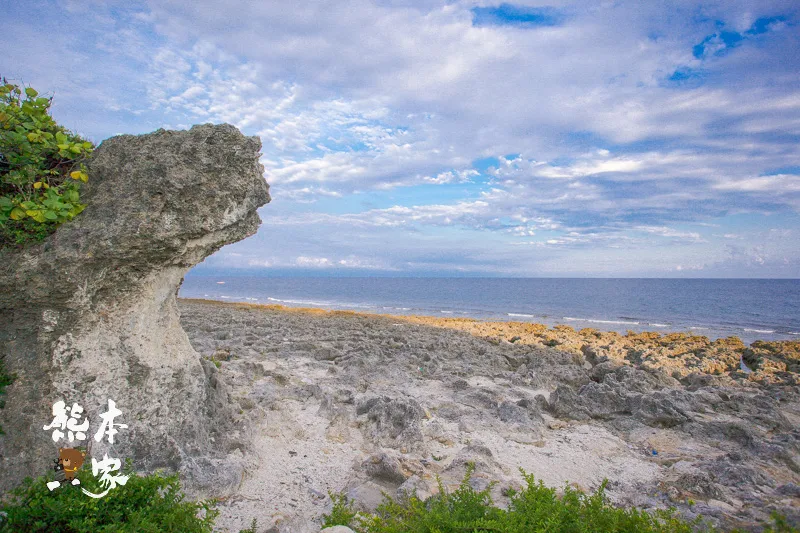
column 564, row 403
column 384, row 468
column 392, row 422
column 89, row 315
column 658, row 410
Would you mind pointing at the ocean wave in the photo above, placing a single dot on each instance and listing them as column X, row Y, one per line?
column 226, row 297
column 323, row 304
column 595, row 321
column 794, row 333
column 697, row 327
column 299, row 302
column 657, row 325
column 523, row 315
column 220, row 283
column 446, row 312
column 760, row 330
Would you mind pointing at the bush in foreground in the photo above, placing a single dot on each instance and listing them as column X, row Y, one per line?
column 145, row 504
column 536, row 509
column 154, row 504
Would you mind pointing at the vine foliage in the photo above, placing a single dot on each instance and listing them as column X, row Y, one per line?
column 42, row 166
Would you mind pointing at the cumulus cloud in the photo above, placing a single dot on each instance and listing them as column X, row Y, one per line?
column 520, row 134
column 316, row 262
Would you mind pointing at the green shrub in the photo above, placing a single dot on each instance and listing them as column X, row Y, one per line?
column 342, row 513
column 146, row 504
column 6, row 379
column 536, row 509
column 41, row 168
column 252, row 529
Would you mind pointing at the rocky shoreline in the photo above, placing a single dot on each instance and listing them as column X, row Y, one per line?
column 365, row 404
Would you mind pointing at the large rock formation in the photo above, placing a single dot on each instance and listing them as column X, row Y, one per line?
column 90, row 315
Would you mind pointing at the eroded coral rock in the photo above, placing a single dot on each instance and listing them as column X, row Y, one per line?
column 90, row 314
column 393, row 422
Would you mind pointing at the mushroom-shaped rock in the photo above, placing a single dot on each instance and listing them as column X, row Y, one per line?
column 89, row 315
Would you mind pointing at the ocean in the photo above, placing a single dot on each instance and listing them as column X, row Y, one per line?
column 751, row 309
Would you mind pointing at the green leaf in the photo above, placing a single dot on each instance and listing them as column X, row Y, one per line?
column 35, row 151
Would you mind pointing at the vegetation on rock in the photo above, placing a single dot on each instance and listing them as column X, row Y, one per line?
column 42, row 166
column 6, row 379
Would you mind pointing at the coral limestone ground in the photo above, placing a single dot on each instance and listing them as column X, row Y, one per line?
column 366, row 404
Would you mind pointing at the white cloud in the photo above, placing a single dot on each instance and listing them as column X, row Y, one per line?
column 370, row 97
column 778, row 184
column 662, row 231
column 315, row 262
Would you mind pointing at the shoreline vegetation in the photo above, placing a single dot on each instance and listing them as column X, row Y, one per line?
column 677, row 353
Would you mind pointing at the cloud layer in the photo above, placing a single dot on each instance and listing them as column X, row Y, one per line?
column 601, row 138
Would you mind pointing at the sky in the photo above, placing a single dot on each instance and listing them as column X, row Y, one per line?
column 464, row 137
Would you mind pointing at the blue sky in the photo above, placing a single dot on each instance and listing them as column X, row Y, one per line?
column 405, row 137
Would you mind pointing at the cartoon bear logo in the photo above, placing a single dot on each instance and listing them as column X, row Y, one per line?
column 70, row 460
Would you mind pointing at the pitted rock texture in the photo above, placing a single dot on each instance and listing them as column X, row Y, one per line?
column 681, row 355
column 369, row 404
column 90, row 315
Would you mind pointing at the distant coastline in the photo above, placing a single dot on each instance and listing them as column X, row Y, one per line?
column 748, row 309
column 677, row 353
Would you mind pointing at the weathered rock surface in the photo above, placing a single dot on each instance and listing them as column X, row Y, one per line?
column 677, row 354
column 90, row 314
column 374, row 405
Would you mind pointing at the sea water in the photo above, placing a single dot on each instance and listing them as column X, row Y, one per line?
column 747, row 308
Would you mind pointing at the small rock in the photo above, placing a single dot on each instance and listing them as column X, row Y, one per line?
column 510, row 412
column 415, row 485
column 789, row 489
column 460, row 384
column 721, row 505
column 383, row 467
column 366, row 497
column 394, row 422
